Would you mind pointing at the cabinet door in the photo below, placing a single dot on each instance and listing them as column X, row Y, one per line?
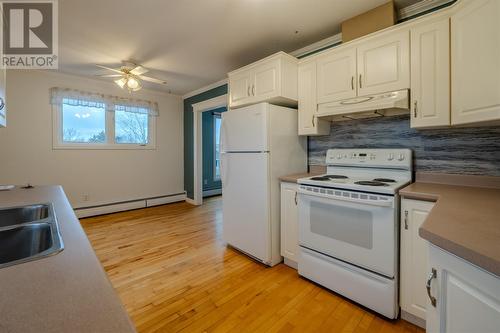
column 308, row 123
column 414, row 254
column 266, row 81
column 475, row 62
column 430, row 74
column 467, row 298
column 337, row 76
column 3, row 106
column 289, row 221
column 240, row 86
column 384, row 64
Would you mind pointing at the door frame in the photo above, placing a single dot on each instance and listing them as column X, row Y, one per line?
column 198, row 109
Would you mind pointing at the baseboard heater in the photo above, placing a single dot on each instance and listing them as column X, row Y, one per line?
column 128, row 205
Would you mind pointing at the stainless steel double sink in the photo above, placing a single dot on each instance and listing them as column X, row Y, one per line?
column 28, row 233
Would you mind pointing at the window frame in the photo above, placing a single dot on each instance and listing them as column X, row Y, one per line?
column 215, row 177
column 110, row 144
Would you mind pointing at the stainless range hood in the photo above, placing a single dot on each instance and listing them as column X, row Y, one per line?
column 386, row 104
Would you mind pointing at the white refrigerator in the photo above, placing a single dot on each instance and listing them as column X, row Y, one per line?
column 259, row 143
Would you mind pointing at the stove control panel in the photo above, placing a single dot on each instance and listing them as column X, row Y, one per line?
column 383, row 158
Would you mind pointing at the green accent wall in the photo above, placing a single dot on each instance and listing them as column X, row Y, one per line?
column 189, row 134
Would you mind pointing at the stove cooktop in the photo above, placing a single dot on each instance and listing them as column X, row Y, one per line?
column 383, row 185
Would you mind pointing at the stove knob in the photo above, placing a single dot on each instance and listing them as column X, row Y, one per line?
column 401, row 157
column 391, row 157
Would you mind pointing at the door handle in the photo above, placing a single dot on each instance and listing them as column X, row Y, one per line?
column 352, row 82
column 360, row 85
column 432, row 275
column 415, row 109
column 248, row 91
column 253, row 89
column 312, row 121
column 296, row 198
column 406, row 220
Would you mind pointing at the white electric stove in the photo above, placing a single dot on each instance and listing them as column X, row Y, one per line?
column 348, row 225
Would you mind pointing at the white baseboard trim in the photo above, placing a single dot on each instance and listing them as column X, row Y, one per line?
column 123, row 206
column 208, row 193
column 413, row 319
column 190, row 201
column 291, row 263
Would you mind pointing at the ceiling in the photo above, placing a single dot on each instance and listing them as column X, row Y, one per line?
column 193, row 43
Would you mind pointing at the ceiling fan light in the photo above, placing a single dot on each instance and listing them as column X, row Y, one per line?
column 133, row 83
column 121, row 82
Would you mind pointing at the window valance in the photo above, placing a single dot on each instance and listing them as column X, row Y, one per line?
column 60, row 96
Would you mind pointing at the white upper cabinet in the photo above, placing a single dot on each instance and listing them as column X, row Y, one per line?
column 308, row 123
column 240, row 88
column 337, row 76
column 475, row 62
column 430, row 74
column 272, row 79
column 384, row 64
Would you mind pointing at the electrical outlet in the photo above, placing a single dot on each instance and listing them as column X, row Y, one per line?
column 86, row 197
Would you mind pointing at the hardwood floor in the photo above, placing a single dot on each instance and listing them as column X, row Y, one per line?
column 174, row 273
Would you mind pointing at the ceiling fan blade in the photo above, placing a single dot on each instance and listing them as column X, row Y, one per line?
column 110, row 75
column 110, row 69
column 139, row 70
column 152, row 79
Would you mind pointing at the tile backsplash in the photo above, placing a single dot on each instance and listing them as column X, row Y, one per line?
column 469, row 150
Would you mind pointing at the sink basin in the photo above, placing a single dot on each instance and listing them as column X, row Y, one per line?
column 25, row 214
column 28, row 233
column 24, row 242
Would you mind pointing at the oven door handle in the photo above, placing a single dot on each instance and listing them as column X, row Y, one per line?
column 378, row 203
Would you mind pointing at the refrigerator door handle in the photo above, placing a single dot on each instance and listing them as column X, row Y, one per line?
column 222, row 135
column 223, row 169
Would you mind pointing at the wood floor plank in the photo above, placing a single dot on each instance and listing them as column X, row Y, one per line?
column 174, row 273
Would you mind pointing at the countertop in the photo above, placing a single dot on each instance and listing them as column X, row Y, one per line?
column 67, row 292
column 464, row 221
column 314, row 170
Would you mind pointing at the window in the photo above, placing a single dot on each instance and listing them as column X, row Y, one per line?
column 217, row 123
column 81, row 124
column 93, row 121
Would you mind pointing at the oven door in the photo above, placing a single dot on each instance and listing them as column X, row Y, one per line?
column 358, row 228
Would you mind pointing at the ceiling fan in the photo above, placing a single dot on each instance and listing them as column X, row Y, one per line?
column 130, row 76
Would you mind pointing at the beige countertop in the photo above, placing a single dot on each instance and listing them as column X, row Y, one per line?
column 314, row 170
column 464, row 221
column 67, row 292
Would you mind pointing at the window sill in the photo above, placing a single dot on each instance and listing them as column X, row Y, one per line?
column 103, row 147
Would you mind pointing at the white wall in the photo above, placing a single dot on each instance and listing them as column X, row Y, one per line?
column 106, row 176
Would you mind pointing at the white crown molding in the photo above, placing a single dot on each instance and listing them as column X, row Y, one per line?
column 404, row 13
column 205, row 88
column 420, row 7
column 318, row 45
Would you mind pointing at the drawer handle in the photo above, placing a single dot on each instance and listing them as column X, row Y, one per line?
column 352, row 82
column 415, row 109
column 406, row 220
column 248, row 91
column 360, row 85
column 253, row 90
column 296, row 199
column 312, row 120
column 432, row 275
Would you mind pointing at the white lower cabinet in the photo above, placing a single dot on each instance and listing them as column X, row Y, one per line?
column 289, row 223
column 467, row 298
column 413, row 265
